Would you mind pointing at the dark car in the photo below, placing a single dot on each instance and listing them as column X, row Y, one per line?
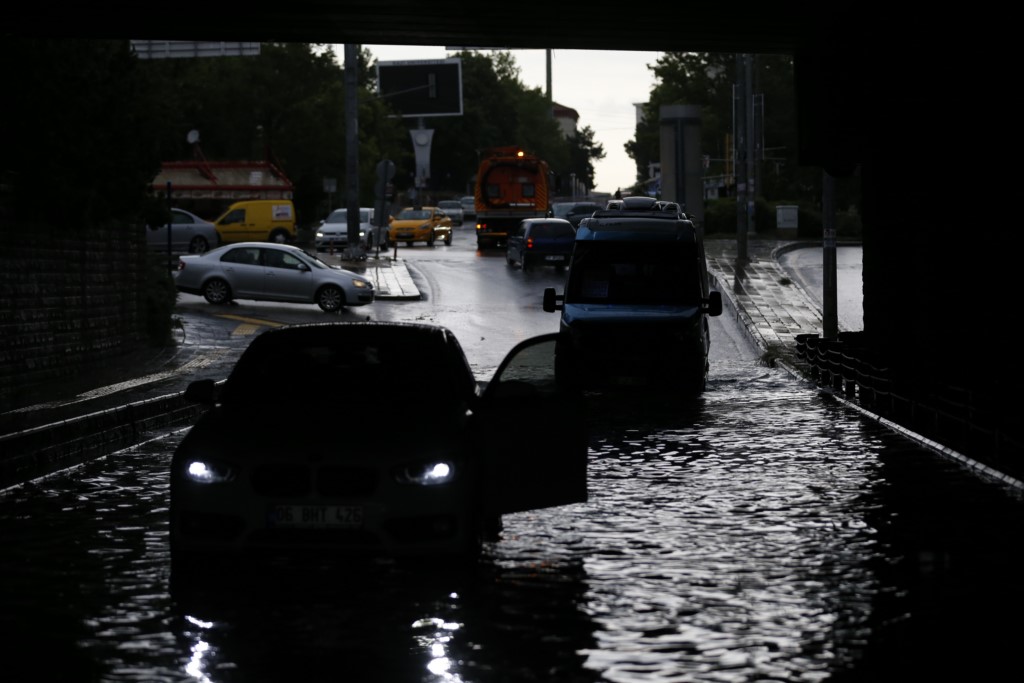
column 265, row 470
column 574, row 212
column 541, row 242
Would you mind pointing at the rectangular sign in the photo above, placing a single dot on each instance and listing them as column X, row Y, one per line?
column 419, row 88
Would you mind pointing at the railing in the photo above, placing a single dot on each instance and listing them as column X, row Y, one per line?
column 975, row 421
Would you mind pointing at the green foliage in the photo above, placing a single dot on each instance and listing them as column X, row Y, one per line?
column 498, row 110
column 159, row 297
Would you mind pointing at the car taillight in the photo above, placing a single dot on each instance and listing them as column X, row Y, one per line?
column 529, row 243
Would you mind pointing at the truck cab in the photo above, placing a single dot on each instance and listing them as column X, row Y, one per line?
column 636, row 302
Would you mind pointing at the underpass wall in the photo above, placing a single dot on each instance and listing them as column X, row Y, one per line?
column 69, row 303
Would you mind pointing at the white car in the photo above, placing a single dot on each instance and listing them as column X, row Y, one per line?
column 332, row 233
column 453, row 209
column 264, row 271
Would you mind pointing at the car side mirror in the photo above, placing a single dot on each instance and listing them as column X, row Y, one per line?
column 553, row 302
column 713, row 304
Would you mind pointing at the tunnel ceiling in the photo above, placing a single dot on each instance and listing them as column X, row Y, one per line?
column 662, row 26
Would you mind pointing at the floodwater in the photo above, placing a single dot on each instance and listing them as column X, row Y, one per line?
column 764, row 533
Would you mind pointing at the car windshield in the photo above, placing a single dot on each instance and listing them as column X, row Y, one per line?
column 413, row 215
column 634, row 273
column 379, row 364
column 341, row 216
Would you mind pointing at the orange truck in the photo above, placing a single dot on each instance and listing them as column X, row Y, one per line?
column 510, row 185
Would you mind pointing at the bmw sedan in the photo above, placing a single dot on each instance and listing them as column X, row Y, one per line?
column 264, row 271
column 246, row 484
column 190, row 234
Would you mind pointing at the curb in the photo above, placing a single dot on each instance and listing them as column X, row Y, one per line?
column 44, row 450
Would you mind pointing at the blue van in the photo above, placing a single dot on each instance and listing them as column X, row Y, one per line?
column 636, row 302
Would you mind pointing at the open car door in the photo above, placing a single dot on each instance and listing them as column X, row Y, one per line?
column 532, row 433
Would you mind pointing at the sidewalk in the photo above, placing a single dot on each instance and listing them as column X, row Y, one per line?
column 391, row 278
column 773, row 308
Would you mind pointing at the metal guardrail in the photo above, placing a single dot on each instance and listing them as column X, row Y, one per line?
column 974, row 421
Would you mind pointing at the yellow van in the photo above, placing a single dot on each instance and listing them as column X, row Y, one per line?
column 258, row 220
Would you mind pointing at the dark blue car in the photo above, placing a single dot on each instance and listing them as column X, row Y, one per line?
column 541, row 242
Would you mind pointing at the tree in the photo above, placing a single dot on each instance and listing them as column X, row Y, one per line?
column 583, row 151
column 498, row 110
column 707, row 80
column 286, row 105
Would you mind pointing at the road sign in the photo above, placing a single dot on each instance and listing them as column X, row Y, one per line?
column 417, row 88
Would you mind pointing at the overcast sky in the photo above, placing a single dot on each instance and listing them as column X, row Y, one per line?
column 601, row 85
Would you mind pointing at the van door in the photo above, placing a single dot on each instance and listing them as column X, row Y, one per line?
column 532, row 434
column 240, row 224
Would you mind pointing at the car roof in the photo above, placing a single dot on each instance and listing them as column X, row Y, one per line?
column 552, row 219
column 371, row 346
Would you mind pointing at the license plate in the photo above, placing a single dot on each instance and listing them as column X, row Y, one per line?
column 316, row 516
column 554, row 258
column 403, row 236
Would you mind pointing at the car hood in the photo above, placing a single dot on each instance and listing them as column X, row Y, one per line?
column 256, row 436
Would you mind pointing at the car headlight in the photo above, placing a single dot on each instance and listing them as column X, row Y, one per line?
column 319, row 233
column 361, row 284
column 426, row 473
column 208, row 472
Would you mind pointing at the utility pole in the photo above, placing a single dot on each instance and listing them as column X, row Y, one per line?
column 748, row 102
column 830, row 293
column 741, row 150
column 354, row 250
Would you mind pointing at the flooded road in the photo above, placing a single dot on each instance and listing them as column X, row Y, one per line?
column 763, row 533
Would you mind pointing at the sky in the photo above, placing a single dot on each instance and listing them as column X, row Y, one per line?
column 601, row 85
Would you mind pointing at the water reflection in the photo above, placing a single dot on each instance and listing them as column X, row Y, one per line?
column 760, row 533
column 388, row 622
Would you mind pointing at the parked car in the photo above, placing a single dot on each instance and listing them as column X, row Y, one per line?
column 190, row 234
column 421, row 224
column 468, row 207
column 453, row 209
column 246, row 479
column 332, row 233
column 541, row 242
column 264, row 271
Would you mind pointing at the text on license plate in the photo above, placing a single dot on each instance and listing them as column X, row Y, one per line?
column 325, row 516
column 554, row 258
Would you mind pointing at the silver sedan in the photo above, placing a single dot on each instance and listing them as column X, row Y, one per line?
column 264, row 271
column 189, row 234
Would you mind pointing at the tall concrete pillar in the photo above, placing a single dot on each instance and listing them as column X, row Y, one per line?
column 682, row 173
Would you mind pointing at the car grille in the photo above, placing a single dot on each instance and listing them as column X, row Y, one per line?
column 293, row 481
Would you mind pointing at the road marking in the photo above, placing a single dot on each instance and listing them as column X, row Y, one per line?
column 249, row 326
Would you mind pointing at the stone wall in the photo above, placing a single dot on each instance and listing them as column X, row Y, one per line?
column 68, row 302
